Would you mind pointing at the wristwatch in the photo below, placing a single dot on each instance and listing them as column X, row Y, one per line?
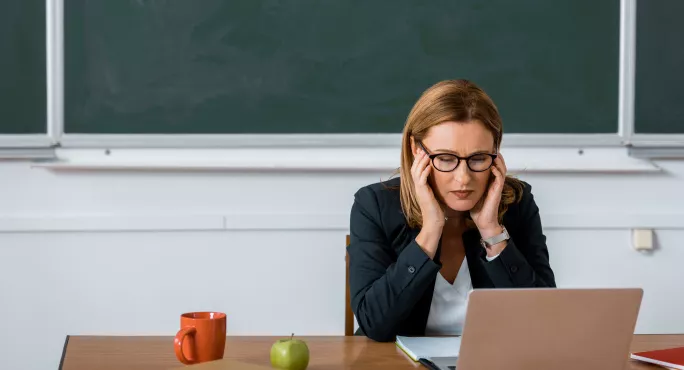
column 496, row 239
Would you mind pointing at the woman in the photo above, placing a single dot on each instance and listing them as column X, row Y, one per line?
column 451, row 222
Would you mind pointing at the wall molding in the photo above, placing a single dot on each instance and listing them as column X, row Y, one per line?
column 27, row 153
column 599, row 160
column 296, row 222
column 111, row 223
column 338, row 140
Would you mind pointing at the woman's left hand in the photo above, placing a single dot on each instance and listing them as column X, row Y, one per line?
column 485, row 214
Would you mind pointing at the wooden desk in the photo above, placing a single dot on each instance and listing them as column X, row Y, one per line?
column 151, row 353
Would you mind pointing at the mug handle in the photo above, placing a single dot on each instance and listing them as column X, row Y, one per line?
column 178, row 344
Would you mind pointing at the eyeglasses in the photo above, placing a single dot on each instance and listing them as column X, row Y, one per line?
column 447, row 162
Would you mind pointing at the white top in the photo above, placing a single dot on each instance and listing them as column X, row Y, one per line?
column 449, row 302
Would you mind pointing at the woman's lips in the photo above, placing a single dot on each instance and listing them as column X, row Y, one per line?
column 462, row 194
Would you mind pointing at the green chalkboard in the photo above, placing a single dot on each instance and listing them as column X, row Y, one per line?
column 659, row 84
column 334, row 66
column 23, row 91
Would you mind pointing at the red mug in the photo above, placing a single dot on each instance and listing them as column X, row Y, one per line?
column 201, row 338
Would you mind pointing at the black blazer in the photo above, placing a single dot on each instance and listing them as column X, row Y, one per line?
column 392, row 280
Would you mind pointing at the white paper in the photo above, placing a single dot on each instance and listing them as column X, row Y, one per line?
column 426, row 347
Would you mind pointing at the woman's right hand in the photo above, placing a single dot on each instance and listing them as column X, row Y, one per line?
column 431, row 212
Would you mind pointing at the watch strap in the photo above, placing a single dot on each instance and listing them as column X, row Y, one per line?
column 486, row 243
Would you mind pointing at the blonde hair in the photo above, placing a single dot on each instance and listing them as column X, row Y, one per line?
column 450, row 100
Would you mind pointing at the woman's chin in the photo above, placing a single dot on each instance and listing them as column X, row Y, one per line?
column 461, row 205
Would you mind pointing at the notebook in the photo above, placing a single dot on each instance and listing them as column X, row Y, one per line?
column 429, row 347
column 672, row 358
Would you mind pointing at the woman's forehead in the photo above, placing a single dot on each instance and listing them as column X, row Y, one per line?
column 462, row 138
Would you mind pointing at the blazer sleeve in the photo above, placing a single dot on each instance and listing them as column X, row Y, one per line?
column 524, row 262
column 384, row 286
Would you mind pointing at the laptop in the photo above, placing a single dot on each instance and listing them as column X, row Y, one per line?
column 545, row 328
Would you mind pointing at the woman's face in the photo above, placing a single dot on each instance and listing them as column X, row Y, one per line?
column 462, row 188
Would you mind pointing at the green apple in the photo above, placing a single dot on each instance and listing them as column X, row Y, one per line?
column 290, row 354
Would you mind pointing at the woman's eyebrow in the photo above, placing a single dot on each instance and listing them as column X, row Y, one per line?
column 479, row 151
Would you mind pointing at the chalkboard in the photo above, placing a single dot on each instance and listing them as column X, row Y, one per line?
column 334, row 66
column 23, row 91
column 659, row 84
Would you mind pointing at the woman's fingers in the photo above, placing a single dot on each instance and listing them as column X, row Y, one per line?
column 424, row 175
column 416, row 160
column 499, row 181
column 501, row 164
column 419, row 165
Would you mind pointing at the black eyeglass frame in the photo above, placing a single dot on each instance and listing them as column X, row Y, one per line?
column 466, row 159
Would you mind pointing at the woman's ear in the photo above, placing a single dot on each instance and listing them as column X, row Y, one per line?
column 413, row 145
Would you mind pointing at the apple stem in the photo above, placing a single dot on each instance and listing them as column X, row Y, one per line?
column 292, row 336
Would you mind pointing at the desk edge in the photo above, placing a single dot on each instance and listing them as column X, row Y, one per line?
column 61, row 360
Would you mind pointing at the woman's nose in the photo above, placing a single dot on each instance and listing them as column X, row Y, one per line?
column 462, row 173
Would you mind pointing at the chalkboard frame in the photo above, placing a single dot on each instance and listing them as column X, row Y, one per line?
column 34, row 145
column 641, row 145
column 55, row 136
column 647, row 145
column 120, row 100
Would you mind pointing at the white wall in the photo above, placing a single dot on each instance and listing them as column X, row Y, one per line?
column 125, row 252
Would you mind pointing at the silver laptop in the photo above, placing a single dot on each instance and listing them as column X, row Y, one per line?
column 527, row 329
